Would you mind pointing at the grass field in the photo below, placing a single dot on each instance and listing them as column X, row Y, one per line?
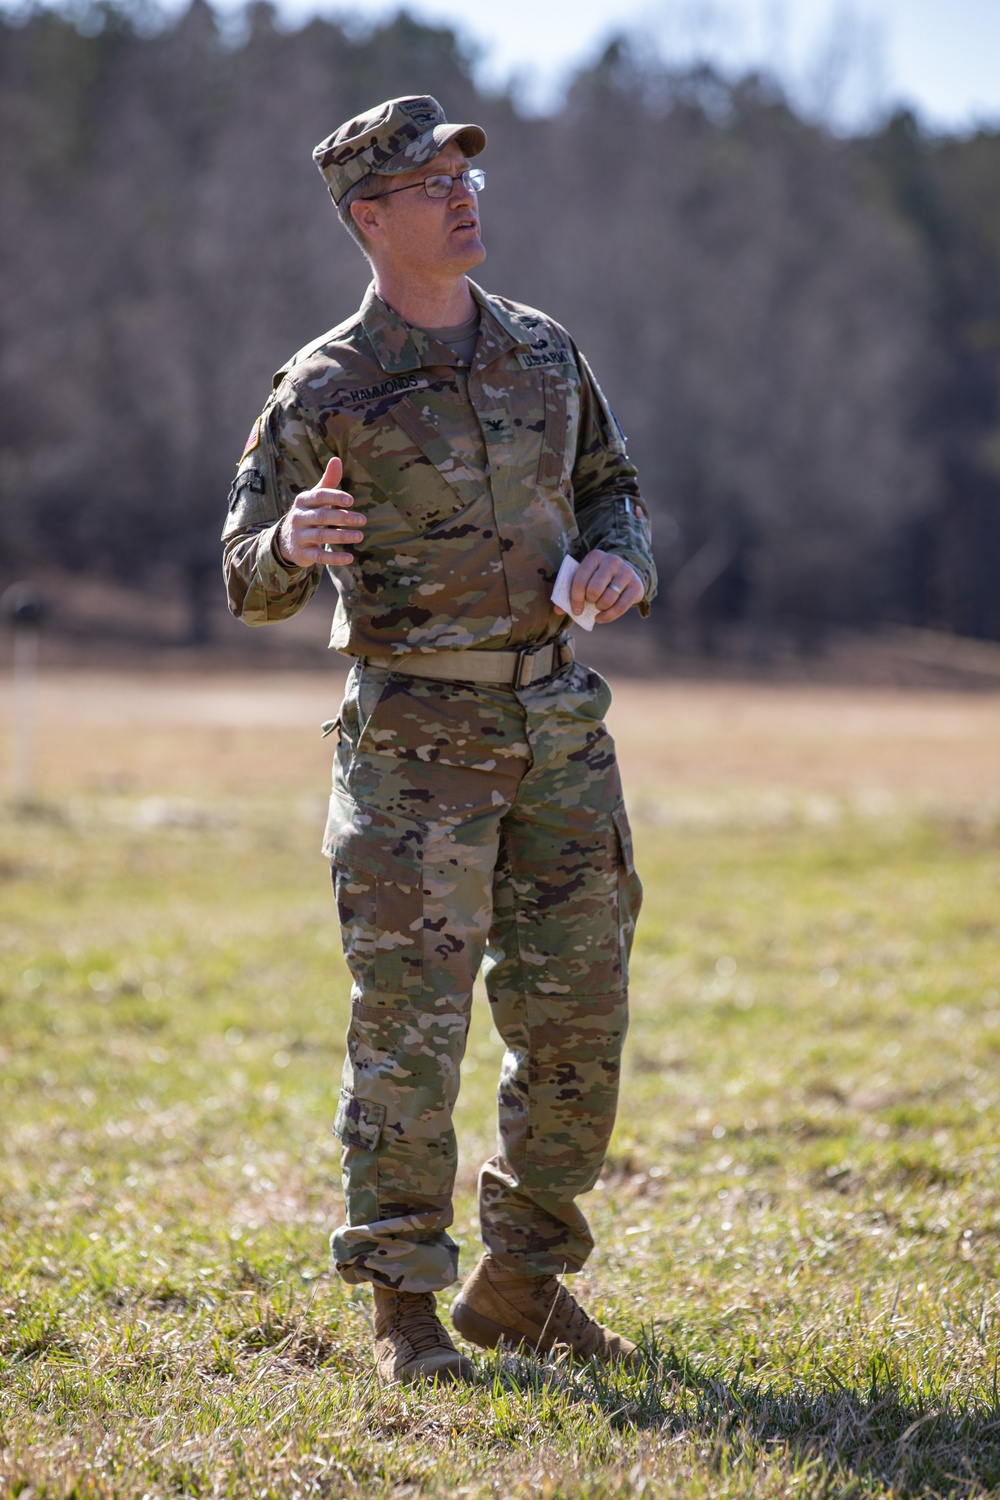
column 801, row 1209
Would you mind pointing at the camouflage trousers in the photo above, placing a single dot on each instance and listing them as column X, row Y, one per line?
column 470, row 823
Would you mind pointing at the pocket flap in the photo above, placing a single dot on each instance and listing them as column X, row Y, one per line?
column 359, row 837
column 620, row 819
column 414, row 466
column 359, row 1122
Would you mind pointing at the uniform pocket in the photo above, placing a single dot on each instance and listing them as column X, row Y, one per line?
column 358, row 1125
column 413, row 465
column 365, row 685
column 625, row 856
column 552, row 460
column 629, row 888
column 368, row 838
column 377, row 864
column 358, row 1122
column 431, row 723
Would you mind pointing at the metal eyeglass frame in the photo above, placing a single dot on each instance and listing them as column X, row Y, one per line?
column 473, row 178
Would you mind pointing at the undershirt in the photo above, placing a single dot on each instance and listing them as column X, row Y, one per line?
column 461, row 339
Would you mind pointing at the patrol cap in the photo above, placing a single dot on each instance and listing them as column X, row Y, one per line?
column 393, row 137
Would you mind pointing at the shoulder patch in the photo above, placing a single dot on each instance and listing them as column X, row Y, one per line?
column 246, row 479
column 252, row 440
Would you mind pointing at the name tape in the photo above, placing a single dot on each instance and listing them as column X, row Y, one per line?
column 550, row 357
column 384, row 388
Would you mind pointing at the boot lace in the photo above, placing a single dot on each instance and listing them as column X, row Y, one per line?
column 566, row 1319
column 419, row 1324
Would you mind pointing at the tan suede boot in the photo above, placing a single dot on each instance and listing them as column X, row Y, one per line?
column 532, row 1312
column 410, row 1341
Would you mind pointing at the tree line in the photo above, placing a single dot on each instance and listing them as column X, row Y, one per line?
column 800, row 332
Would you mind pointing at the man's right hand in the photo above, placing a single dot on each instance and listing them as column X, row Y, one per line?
column 320, row 523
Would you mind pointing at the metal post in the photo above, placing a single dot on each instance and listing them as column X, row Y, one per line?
column 22, row 605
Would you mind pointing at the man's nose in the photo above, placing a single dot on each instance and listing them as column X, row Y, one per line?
column 461, row 196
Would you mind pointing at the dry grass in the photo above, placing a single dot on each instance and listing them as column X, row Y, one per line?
column 800, row 1211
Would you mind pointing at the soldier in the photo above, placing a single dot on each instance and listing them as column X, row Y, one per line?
column 441, row 452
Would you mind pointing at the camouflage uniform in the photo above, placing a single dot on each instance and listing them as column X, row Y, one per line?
column 465, row 819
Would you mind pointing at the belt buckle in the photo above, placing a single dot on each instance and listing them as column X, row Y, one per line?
column 524, row 677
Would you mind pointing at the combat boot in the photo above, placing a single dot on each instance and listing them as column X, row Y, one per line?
column 535, row 1313
column 411, row 1342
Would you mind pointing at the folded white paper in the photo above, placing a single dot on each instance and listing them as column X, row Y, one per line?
column 560, row 595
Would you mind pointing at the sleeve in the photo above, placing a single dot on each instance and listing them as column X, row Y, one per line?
column 610, row 511
column 282, row 457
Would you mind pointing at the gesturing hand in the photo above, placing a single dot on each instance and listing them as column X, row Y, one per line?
column 320, row 523
column 607, row 581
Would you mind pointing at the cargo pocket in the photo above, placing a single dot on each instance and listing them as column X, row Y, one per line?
column 629, row 888
column 358, row 1122
column 358, row 1125
column 377, row 864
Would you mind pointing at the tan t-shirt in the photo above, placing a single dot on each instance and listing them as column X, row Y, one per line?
column 461, row 339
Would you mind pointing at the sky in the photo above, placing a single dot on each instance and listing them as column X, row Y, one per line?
column 846, row 59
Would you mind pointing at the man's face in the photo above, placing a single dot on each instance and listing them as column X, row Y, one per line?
column 431, row 234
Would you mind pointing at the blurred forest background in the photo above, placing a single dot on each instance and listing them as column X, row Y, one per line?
column 800, row 331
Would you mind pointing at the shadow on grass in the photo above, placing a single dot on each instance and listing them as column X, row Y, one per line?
column 876, row 1436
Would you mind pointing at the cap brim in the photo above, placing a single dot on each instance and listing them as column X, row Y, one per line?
column 471, row 138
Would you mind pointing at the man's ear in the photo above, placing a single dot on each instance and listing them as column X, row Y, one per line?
column 368, row 217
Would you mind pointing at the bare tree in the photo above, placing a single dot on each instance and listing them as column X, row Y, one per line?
column 796, row 330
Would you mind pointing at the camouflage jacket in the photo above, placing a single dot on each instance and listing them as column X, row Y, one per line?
column 476, row 481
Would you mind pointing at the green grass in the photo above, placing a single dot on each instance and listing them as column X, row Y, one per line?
column 799, row 1214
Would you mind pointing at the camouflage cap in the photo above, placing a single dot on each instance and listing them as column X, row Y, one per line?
column 393, row 137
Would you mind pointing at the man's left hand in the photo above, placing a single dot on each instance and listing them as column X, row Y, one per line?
column 607, row 581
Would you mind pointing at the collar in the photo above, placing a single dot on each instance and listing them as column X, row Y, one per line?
column 400, row 347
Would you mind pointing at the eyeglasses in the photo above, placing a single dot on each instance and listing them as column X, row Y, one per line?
column 441, row 187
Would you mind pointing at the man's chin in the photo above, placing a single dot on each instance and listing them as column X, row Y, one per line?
column 473, row 253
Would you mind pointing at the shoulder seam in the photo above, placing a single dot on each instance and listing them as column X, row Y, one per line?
column 520, row 308
column 315, row 346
